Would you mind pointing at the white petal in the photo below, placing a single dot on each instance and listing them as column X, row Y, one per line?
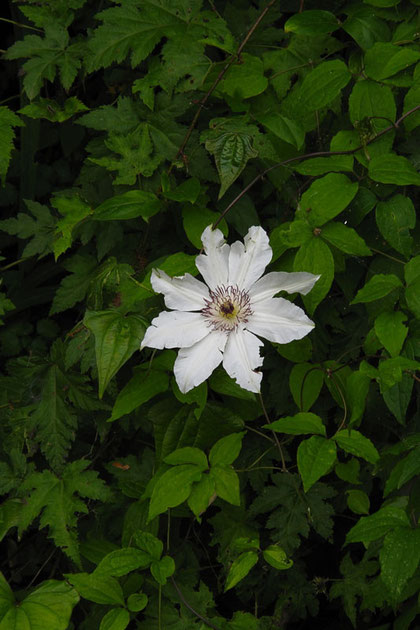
column 195, row 364
column 175, row 329
column 276, row 281
column 184, row 293
column 213, row 265
column 247, row 262
column 241, row 357
column 279, row 320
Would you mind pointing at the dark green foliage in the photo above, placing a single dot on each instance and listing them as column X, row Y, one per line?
column 126, row 128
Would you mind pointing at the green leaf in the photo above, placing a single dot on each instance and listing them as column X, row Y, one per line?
column 405, row 470
column 52, row 111
column 140, row 389
column 399, row 559
column 240, row 568
column 357, row 388
column 377, row 287
column 8, row 120
column 284, row 128
column 312, row 23
column 149, row 543
column 130, row 205
column 300, row 424
column 315, row 256
column 196, row 220
column 323, row 84
column 187, row 455
column 315, row 458
column 173, row 488
column 412, row 295
column 393, row 169
column 383, row 60
column 122, row 561
column 345, row 239
column 40, row 227
column 117, row 337
column 189, row 190
column 358, row 501
column 394, row 218
column 245, row 78
column 366, row 28
column 305, row 383
column 231, row 145
column 277, row 558
column 115, row 619
column 373, row 527
column 97, row 588
column 226, row 450
column 73, row 210
column 221, row 383
column 357, row 444
column 226, row 483
column 137, row 602
column 372, row 101
column 162, row 569
column 412, row 270
column 202, row 494
column 411, row 100
column 55, row 500
column 326, row 198
column 6, row 596
column 391, row 332
column 321, row 166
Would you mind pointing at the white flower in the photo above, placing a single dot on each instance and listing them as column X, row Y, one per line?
column 220, row 321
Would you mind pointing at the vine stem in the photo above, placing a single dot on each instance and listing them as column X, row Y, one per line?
column 215, row 83
column 283, row 463
column 197, row 614
column 311, row 155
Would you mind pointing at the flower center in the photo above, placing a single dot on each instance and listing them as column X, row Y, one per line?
column 227, row 307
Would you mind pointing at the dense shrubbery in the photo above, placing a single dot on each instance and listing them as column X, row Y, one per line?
column 127, row 504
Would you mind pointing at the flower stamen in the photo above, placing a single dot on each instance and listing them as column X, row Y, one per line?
column 227, row 307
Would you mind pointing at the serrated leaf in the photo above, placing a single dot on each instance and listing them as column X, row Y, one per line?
column 345, row 239
column 313, row 22
column 52, row 111
column 140, row 389
column 39, row 228
column 394, row 218
column 399, row 559
column 73, row 210
column 116, row 338
column 240, row 568
column 115, row 619
column 129, row 205
column 8, row 120
column 393, row 169
column 226, row 450
column 97, row 588
column 357, row 444
column 300, row 424
column 391, row 332
column 315, row 256
column 173, row 488
column 315, row 457
column 373, row 527
column 323, row 84
column 277, row 558
column 377, row 287
column 326, row 198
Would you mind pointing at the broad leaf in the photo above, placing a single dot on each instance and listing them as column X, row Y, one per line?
column 300, row 424
column 377, row 287
column 326, row 198
column 315, row 256
column 240, row 568
column 399, row 559
column 173, row 488
column 357, row 444
column 391, row 331
column 130, row 205
column 394, row 218
column 315, row 458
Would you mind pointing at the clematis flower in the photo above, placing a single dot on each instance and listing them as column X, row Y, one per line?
column 222, row 320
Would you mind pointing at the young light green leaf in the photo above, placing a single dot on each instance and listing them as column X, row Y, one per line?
column 377, row 287
column 357, row 444
column 226, row 483
column 315, row 458
column 52, row 111
column 129, row 205
column 326, row 197
column 313, row 22
column 201, row 495
column 117, row 337
column 73, row 210
column 115, row 619
column 394, row 218
column 162, row 569
column 305, row 384
column 277, row 558
column 315, row 256
column 140, row 389
column 148, row 543
column 300, row 424
column 226, row 450
column 137, row 602
column 372, row 527
column 345, row 239
column 393, row 169
column 173, row 488
column 358, row 501
column 240, row 568
column 391, row 331
column 187, row 455
column 399, row 558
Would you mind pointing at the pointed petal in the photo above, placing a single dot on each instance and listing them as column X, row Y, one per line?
column 195, row 364
column 272, row 283
column 175, row 329
column 184, row 293
column 241, row 357
column 247, row 262
column 279, row 320
column 213, row 265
